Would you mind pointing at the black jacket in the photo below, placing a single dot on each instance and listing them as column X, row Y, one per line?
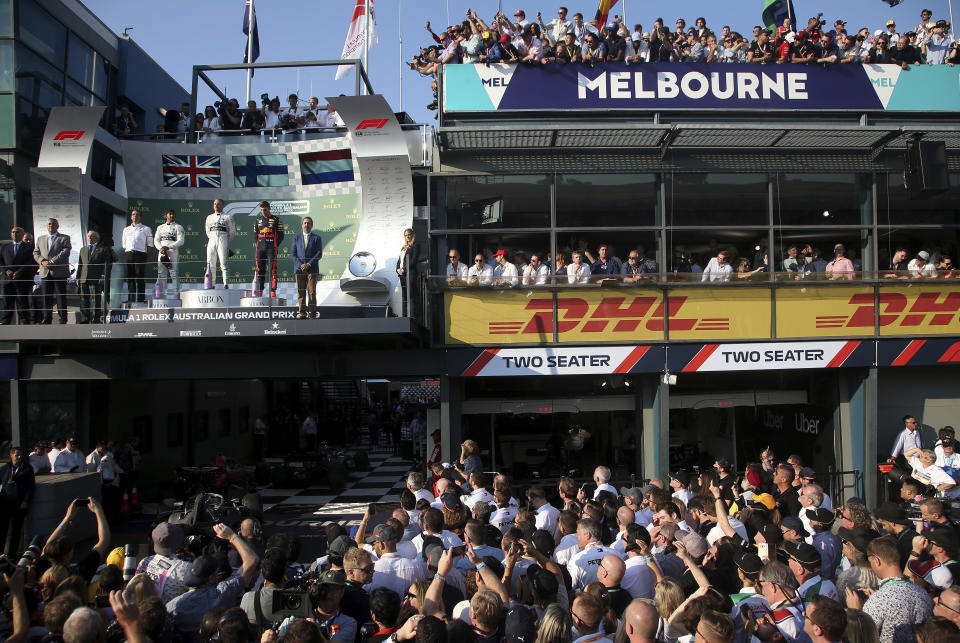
column 17, row 485
column 22, row 263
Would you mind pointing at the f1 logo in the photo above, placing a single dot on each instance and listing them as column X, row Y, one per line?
column 69, row 134
column 372, row 124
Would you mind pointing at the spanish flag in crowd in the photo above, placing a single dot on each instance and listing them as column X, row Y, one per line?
column 603, row 10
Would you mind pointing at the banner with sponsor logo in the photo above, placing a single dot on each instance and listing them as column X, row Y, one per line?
column 628, row 314
column 573, row 360
column 830, row 317
column 700, row 358
column 664, row 86
column 918, row 352
column 68, row 137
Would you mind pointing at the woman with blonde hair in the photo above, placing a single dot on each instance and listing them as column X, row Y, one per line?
column 140, row 588
column 555, row 626
column 407, row 268
column 51, row 578
column 417, row 593
column 667, row 596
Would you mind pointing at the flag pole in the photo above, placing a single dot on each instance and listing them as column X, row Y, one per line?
column 249, row 48
column 366, row 37
column 400, row 47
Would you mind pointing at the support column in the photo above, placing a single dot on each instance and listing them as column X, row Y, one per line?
column 654, row 453
column 451, row 403
column 855, row 422
column 17, row 415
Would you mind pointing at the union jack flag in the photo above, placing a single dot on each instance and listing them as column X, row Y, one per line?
column 191, row 171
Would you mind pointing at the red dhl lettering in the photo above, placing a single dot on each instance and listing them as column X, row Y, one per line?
column 896, row 309
column 610, row 315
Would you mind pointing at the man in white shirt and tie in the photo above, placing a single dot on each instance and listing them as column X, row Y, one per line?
column 137, row 240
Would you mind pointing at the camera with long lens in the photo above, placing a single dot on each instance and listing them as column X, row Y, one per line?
column 30, row 554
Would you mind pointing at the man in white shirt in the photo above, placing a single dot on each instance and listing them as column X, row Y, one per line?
column 505, row 274
column 718, row 269
column 679, row 482
column 392, row 570
column 272, row 116
column 558, row 27
column 478, row 481
column 625, row 518
column 456, row 271
column 432, row 522
column 601, row 477
column 220, row 229
column 39, row 459
column 503, row 517
column 638, row 579
column 545, row 515
column 908, row 442
column 58, row 446
column 536, row 272
column 583, row 566
column 521, row 18
column 578, row 272
column 415, row 483
column 292, row 115
column 581, row 29
column 137, row 239
column 70, row 460
column 567, row 546
column 169, row 238
column 479, row 274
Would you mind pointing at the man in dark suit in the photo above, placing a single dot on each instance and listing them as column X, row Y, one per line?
column 93, row 270
column 53, row 254
column 17, row 269
column 306, row 253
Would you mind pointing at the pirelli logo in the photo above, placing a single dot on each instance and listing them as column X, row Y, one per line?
column 610, row 315
column 897, row 310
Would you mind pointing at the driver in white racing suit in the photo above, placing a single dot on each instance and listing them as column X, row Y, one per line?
column 221, row 229
column 168, row 238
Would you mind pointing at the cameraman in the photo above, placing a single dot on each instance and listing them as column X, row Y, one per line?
column 230, row 117
column 205, row 592
column 166, row 570
column 254, row 119
column 259, row 604
column 16, row 492
column 326, row 597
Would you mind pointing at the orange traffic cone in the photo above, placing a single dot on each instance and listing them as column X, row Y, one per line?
column 134, row 498
column 125, row 504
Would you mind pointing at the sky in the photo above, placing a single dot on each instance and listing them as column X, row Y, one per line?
column 186, row 33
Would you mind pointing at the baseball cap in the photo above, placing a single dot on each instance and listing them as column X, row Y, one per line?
column 381, row 534
column 633, row 494
column 519, row 12
column 859, row 537
column 115, row 557
column 923, row 254
column 765, row 500
column 840, row 22
column 695, row 543
column 451, row 502
column 794, row 523
column 806, row 555
column 891, row 512
column 432, row 554
column 201, row 569
column 636, row 35
column 645, row 35
column 944, row 537
column 500, row 252
column 341, row 545
column 681, row 476
column 333, row 577
column 611, row 26
column 749, row 563
column 167, row 538
column 891, row 23
column 771, row 534
column 504, row 38
column 808, row 472
column 821, row 515
column 519, row 626
column 486, row 35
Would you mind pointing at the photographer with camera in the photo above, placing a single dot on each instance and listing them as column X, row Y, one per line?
column 259, row 604
column 325, row 596
column 230, row 116
column 205, row 592
column 167, row 571
column 17, row 485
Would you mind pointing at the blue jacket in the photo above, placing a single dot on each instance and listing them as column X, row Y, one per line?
column 311, row 254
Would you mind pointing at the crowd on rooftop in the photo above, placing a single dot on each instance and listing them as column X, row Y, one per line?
column 565, row 39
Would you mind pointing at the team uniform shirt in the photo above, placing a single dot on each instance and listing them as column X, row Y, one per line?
column 936, row 475
column 396, row 572
column 756, row 603
column 684, row 496
column 566, row 549
column 503, row 518
column 638, row 579
column 546, row 518
column 789, row 620
column 475, row 496
column 423, row 494
column 448, row 538
column 817, row 585
column 939, row 575
column 168, row 575
column 137, row 238
column 583, row 567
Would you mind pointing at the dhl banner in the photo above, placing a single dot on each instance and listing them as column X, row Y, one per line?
column 627, row 315
column 841, row 311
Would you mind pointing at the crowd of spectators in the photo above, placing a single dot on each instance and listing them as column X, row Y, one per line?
column 582, row 266
column 563, row 40
column 710, row 556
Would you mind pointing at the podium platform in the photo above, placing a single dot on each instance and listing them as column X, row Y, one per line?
column 262, row 302
column 166, row 302
column 211, row 298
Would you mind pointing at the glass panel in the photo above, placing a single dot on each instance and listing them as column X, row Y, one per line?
column 691, row 251
column 6, row 65
column 80, row 61
column 815, row 249
column 606, row 200
column 42, row 33
column 518, row 247
column 101, row 73
column 38, row 81
column 30, row 122
column 895, row 207
column 491, row 202
column 716, row 199
column 6, row 120
column 821, row 199
column 619, row 247
column 6, row 23
column 938, row 244
column 77, row 95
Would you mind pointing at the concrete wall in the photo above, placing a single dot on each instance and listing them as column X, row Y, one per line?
column 931, row 393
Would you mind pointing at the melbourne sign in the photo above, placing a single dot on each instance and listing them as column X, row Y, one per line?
column 664, row 86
